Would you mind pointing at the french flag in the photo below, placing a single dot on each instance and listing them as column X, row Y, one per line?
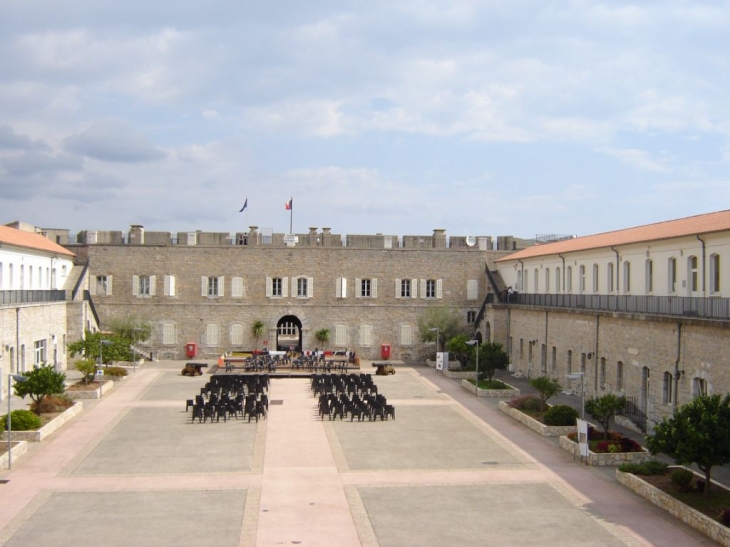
column 288, row 205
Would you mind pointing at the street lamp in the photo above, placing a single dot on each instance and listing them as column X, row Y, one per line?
column 476, row 380
column 17, row 378
column 135, row 330
column 101, row 361
column 575, row 376
column 436, row 330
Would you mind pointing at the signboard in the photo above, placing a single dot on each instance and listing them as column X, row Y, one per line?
column 290, row 240
column 442, row 360
column 100, row 372
column 582, row 427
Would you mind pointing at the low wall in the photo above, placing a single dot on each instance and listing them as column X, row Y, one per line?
column 605, row 460
column 494, row 393
column 106, row 386
column 37, row 435
column 710, row 527
column 18, row 449
column 532, row 423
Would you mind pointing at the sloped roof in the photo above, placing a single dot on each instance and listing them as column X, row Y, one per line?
column 689, row 226
column 29, row 240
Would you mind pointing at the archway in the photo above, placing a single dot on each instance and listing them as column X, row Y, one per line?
column 288, row 333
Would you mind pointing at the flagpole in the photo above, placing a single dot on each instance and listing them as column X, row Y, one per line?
column 291, row 214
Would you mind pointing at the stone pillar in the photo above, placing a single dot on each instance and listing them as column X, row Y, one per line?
column 136, row 234
column 253, row 236
column 326, row 238
column 312, row 236
column 439, row 238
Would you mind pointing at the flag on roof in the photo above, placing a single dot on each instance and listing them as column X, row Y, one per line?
column 288, row 205
column 245, row 204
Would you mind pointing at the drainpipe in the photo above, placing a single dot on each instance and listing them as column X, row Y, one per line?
column 618, row 264
column 704, row 293
column 676, row 367
column 563, row 259
column 547, row 312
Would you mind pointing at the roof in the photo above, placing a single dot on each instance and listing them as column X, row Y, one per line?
column 29, row 240
column 689, row 226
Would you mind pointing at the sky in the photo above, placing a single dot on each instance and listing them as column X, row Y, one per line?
column 483, row 117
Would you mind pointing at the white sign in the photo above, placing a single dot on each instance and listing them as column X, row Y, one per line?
column 582, row 427
column 442, row 360
column 291, row 240
column 100, row 372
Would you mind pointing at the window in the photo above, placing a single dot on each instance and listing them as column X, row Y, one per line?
column 536, row 281
column 39, row 352
column 693, row 274
column 649, row 275
column 558, row 280
column 366, row 335
column 472, row 289
column 406, row 335
column 583, row 363
column 64, row 270
column 212, row 335
column 509, row 347
column 620, row 376
column 212, row 286
column 627, row 276
column 570, row 361
column 341, row 335
column 569, row 279
column 367, row 288
column 522, row 348
column 519, row 280
column 168, row 285
column 595, row 278
column 277, row 287
column 547, row 280
column 143, row 285
column 602, row 373
column 699, row 387
column 582, row 279
column 341, row 287
column 168, row 334
column 672, row 275
column 554, row 359
column 667, row 387
column 236, row 334
column 471, row 316
column 304, row 286
column 405, row 288
column 609, row 278
column 714, row 273
column 431, row 288
column 529, row 352
column 103, row 285
column 237, row 290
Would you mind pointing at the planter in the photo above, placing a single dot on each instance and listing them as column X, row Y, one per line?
column 535, row 425
column 700, row 522
column 459, row 374
column 18, row 449
column 509, row 393
column 106, row 385
column 605, row 460
column 37, row 435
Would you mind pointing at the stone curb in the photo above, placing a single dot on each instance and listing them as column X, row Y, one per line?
column 106, row 386
column 532, row 423
column 493, row 393
column 38, row 435
column 20, row 448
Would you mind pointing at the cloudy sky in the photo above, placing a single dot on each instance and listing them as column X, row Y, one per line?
column 484, row 117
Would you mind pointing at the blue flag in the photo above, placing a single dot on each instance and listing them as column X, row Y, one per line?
column 245, row 204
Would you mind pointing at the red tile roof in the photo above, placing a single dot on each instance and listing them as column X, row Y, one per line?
column 29, row 240
column 690, row 226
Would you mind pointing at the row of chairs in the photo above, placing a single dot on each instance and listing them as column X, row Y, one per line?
column 362, row 384
column 225, row 396
column 353, row 395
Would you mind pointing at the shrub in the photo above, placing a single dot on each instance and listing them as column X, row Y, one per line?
column 54, row 403
column 725, row 517
column 117, row 372
column 22, row 420
column 560, row 415
column 87, row 367
column 525, row 402
column 650, row 467
column 682, row 478
column 629, row 445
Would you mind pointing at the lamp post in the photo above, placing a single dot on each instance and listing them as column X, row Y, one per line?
column 17, row 378
column 101, row 362
column 436, row 330
column 135, row 330
column 476, row 380
column 575, row 376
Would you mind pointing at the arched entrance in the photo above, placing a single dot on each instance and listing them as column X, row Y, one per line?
column 289, row 333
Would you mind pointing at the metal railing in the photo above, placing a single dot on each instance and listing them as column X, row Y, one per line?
column 634, row 413
column 683, row 306
column 10, row 298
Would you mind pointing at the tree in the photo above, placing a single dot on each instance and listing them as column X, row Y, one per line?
column 41, row 381
column 322, row 336
column 491, row 358
column 457, row 345
column 87, row 367
column 447, row 320
column 547, row 387
column 118, row 349
column 697, row 433
column 258, row 328
column 132, row 329
column 603, row 408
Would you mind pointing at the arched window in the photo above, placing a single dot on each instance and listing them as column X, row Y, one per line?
column 582, row 280
column 557, row 280
column 569, row 279
column 547, row 280
column 627, row 276
column 595, row 278
column 693, row 275
column 609, row 278
column 649, row 275
column 714, row 273
column 672, row 275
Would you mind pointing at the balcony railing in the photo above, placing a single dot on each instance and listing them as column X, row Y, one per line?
column 10, row 298
column 683, row 306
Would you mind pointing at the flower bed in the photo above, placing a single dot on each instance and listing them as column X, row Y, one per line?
column 508, row 393
column 697, row 520
column 81, row 391
column 38, row 435
column 604, row 459
column 535, row 425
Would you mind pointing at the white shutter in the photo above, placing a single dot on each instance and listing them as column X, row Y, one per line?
column 237, row 287
column 203, row 286
column 374, row 288
column 285, row 287
column 341, row 288
column 423, row 288
column 366, row 335
column 93, row 282
column 472, row 289
column 153, row 282
column 135, row 285
column 406, row 335
column 221, row 286
column 172, row 286
column 341, row 335
column 358, row 288
column 269, row 290
column 212, row 335
column 237, row 334
column 439, row 285
column 397, row 288
column 166, row 285
column 168, row 334
column 109, row 285
column 414, row 288
column 310, row 287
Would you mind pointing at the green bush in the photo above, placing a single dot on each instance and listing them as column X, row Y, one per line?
column 682, row 478
column 492, row 384
column 53, row 403
column 530, row 403
column 21, row 420
column 117, row 372
column 560, row 415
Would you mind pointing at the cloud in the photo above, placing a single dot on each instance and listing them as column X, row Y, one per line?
column 113, row 141
column 32, row 163
column 638, row 159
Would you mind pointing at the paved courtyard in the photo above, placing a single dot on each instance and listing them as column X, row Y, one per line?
column 450, row 470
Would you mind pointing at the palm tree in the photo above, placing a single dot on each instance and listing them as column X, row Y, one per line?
column 322, row 336
column 257, row 329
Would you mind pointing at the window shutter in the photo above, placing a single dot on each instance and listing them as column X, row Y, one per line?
column 135, row 285
column 406, row 335
column 166, row 285
column 414, row 288
column 366, row 335
column 374, row 288
column 153, row 279
column 237, row 287
column 358, row 287
column 285, row 286
column 269, row 290
column 472, row 289
column 203, row 286
column 172, row 286
column 397, row 288
column 423, row 288
column 237, row 334
column 341, row 335
column 439, row 285
column 340, row 287
column 109, row 285
column 310, row 287
column 221, row 286
column 93, row 282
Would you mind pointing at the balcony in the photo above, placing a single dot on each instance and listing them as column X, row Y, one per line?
column 12, row 298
